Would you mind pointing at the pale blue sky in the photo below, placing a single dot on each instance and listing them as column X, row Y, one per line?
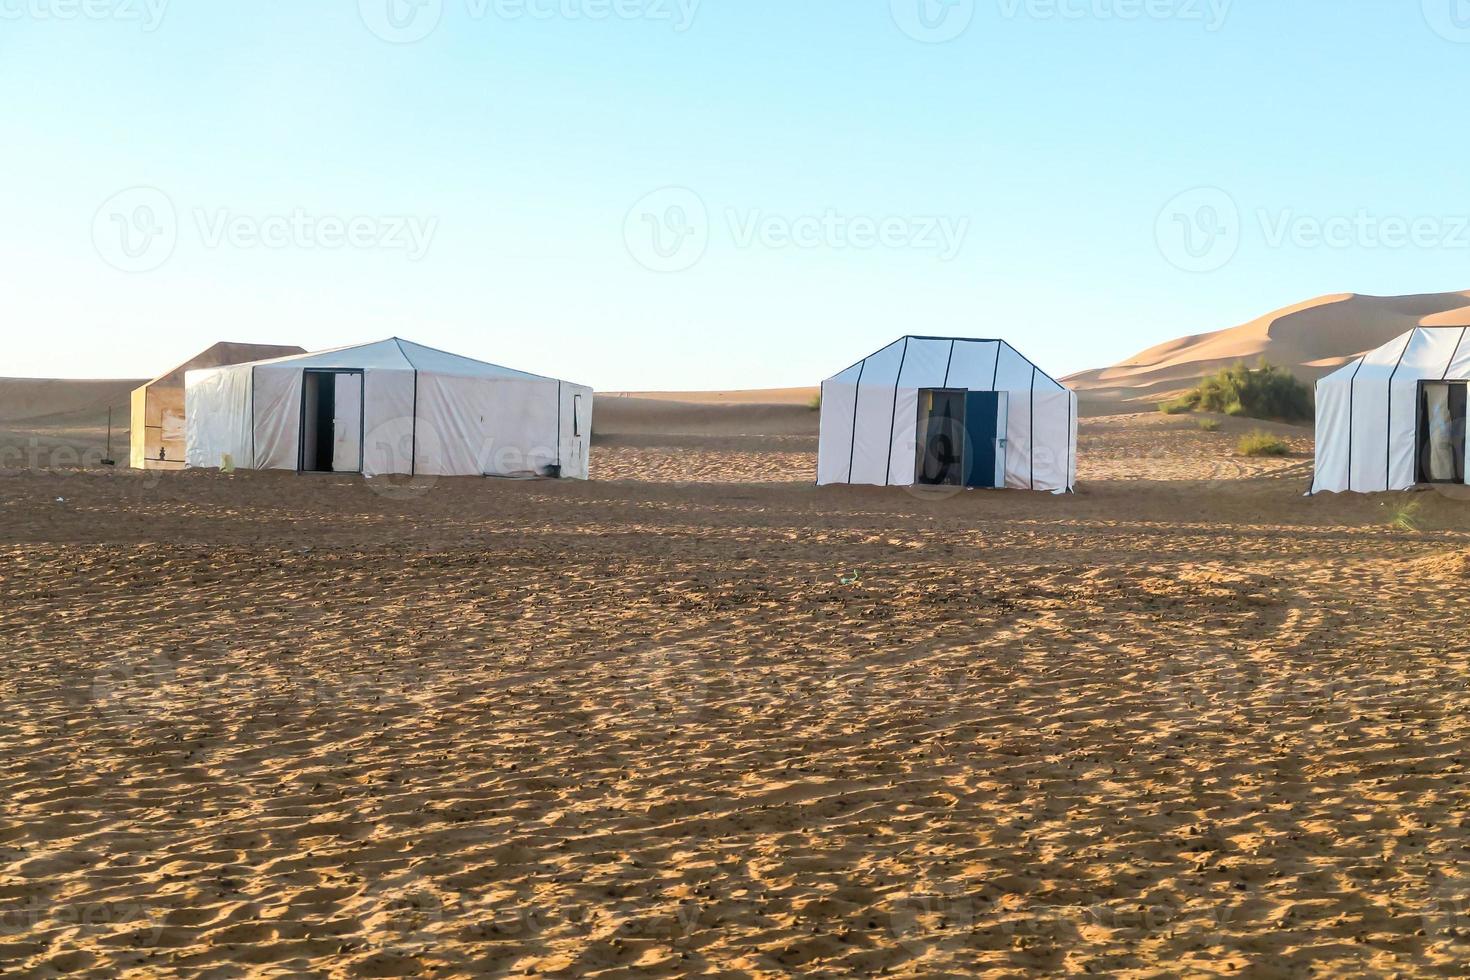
column 729, row 193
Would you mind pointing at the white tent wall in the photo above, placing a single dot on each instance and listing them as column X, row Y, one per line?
column 1460, row 363
column 505, row 428
column 926, row 364
column 905, row 438
column 1015, row 373
column 874, row 417
column 1054, row 426
column 976, row 365
column 835, row 427
column 1333, row 403
column 217, row 409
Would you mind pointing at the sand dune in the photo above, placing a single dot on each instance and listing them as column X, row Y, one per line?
column 60, row 419
column 1311, row 338
column 52, row 401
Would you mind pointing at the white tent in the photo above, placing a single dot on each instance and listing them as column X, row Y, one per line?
column 392, row 407
column 1395, row 417
column 946, row 411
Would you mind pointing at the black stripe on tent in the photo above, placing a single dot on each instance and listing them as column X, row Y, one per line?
column 949, row 363
column 1352, row 394
column 1388, row 436
column 857, row 398
column 413, row 438
column 1032, row 423
column 558, row 427
column 1454, row 352
column 1068, row 475
column 253, row 451
column 893, row 420
column 995, row 372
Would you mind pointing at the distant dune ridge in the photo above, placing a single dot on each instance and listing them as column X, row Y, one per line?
column 1311, row 339
column 64, row 400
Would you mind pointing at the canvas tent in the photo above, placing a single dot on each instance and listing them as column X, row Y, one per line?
column 1395, row 418
column 157, row 430
column 944, row 411
column 393, row 407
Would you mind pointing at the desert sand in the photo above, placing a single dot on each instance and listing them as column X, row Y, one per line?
column 702, row 717
column 1311, row 339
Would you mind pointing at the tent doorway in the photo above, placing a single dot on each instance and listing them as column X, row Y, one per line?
column 1441, row 434
column 941, row 451
column 985, row 427
column 961, row 438
column 331, row 421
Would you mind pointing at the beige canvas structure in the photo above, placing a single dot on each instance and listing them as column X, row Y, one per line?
column 387, row 408
column 157, row 430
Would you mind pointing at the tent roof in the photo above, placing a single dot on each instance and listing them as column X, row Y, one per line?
column 221, row 355
column 956, row 345
column 1424, row 353
column 396, row 354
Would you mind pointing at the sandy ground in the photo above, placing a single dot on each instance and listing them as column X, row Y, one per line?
column 1185, row 722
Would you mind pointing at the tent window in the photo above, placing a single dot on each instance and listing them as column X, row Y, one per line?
column 1441, row 444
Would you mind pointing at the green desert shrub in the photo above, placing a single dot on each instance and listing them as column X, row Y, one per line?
column 1209, row 425
column 1262, row 444
column 1262, row 392
column 1405, row 516
column 815, row 402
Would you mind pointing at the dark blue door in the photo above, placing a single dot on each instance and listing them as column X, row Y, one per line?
column 982, row 412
